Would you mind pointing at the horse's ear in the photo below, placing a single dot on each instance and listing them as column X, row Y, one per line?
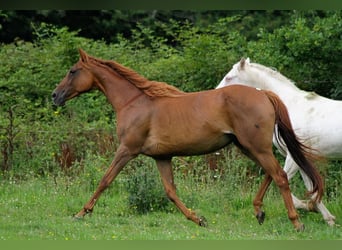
column 242, row 63
column 83, row 55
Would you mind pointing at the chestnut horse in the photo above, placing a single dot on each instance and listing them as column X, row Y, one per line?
column 160, row 121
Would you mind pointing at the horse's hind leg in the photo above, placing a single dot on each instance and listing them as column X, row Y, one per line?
column 273, row 169
column 165, row 169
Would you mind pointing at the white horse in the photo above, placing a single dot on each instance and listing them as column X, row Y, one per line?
column 315, row 118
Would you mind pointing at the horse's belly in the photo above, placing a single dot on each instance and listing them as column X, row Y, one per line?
column 187, row 146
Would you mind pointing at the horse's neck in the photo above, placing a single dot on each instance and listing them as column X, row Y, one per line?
column 118, row 91
column 277, row 84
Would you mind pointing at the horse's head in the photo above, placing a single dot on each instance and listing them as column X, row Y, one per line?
column 78, row 80
column 234, row 76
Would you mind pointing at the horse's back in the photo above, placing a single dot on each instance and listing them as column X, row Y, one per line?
column 251, row 101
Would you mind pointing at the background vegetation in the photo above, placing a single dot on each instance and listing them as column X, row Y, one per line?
column 61, row 153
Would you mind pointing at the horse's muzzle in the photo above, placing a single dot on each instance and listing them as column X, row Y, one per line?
column 58, row 98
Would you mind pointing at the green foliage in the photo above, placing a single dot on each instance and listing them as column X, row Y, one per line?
column 144, row 188
column 306, row 51
column 201, row 58
column 31, row 129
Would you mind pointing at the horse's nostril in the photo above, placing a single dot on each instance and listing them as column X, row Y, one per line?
column 53, row 95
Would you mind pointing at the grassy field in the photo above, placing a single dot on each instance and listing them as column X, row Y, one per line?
column 42, row 209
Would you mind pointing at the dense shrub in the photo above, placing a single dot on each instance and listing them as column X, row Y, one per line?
column 144, row 187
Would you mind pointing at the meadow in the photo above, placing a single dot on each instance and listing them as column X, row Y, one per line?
column 43, row 208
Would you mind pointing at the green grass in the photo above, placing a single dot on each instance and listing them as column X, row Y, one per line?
column 43, row 209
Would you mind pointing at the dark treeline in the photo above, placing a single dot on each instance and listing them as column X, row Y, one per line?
column 106, row 24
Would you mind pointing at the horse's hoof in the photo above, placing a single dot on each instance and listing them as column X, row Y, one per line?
column 77, row 217
column 80, row 215
column 300, row 228
column 260, row 217
column 331, row 223
column 203, row 222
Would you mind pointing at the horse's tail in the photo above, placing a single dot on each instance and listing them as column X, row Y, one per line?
column 301, row 154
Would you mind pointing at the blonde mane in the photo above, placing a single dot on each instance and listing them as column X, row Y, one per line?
column 150, row 88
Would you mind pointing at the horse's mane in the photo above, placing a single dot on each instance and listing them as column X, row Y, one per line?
column 274, row 73
column 150, row 88
column 278, row 76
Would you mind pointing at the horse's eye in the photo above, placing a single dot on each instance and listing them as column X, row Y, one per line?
column 72, row 71
column 229, row 78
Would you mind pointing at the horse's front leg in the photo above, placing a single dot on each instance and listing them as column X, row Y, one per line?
column 121, row 158
column 291, row 168
column 165, row 169
column 315, row 206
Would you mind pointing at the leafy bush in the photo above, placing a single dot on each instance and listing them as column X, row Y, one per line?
column 199, row 60
column 145, row 190
column 308, row 52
